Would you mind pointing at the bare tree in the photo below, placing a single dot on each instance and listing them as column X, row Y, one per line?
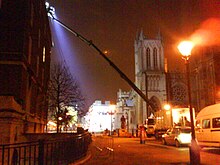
column 63, row 92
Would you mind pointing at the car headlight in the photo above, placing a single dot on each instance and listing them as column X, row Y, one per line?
column 184, row 138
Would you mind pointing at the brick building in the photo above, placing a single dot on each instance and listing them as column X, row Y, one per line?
column 25, row 45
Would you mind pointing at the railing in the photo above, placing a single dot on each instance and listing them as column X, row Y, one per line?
column 43, row 152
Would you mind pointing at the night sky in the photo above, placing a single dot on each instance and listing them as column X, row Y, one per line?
column 112, row 25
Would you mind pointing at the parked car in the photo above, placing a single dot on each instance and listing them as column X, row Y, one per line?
column 177, row 136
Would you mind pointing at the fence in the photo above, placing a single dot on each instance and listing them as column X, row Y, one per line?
column 43, row 152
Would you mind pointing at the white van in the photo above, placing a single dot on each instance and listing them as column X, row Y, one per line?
column 208, row 126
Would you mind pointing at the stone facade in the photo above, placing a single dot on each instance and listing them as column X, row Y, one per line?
column 125, row 107
column 150, row 75
column 25, row 46
column 163, row 86
column 205, row 77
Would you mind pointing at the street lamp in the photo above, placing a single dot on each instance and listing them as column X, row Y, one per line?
column 167, row 107
column 185, row 48
column 112, row 112
column 168, row 110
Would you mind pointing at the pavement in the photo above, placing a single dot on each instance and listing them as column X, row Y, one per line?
column 106, row 150
column 83, row 160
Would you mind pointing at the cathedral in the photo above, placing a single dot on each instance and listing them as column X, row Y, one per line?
column 162, row 86
column 153, row 79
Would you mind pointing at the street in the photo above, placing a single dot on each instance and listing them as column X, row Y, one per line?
column 128, row 151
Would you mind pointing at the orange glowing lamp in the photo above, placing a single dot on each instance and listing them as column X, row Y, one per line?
column 167, row 107
column 185, row 48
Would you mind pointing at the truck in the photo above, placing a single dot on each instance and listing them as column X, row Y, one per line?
column 159, row 122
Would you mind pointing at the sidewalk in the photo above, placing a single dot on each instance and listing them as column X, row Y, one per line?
column 83, row 159
column 129, row 151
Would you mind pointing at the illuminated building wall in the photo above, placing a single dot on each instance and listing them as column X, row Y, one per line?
column 25, row 46
column 125, row 106
column 99, row 117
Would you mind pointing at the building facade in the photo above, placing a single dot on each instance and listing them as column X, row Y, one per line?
column 162, row 86
column 125, row 108
column 25, row 46
column 205, row 77
column 150, row 75
column 100, row 117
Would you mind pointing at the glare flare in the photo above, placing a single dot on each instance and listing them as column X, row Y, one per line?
column 208, row 33
column 185, row 47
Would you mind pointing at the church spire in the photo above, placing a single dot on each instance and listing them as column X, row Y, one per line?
column 159, row 37
column 141, row 36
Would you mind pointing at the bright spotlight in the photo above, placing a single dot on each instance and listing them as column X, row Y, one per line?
column 50, row 10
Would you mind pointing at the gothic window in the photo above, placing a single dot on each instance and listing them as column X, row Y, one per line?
column 155, row 58
column 148, row 57
column 155, row 104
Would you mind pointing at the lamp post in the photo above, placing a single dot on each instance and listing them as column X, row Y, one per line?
column 185, row 48
column 111, row 112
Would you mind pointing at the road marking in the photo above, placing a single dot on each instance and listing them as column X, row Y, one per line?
column 98, row 148
column 110, row 149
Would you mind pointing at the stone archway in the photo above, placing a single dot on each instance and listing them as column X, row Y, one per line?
column 154, row 107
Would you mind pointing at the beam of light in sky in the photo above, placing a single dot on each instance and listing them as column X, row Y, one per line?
column 64, row 51
column 116, row 68
column 60, row 41
column 208, row 33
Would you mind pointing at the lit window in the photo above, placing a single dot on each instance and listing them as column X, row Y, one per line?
column 44, row 54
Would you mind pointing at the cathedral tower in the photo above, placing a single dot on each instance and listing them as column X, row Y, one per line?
column 150, row 75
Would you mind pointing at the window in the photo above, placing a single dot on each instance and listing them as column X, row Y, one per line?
column 148, row 57
column 216, row 122
column 206, row 123
column 44, row 53
column 155, row 57
column 0, row 4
